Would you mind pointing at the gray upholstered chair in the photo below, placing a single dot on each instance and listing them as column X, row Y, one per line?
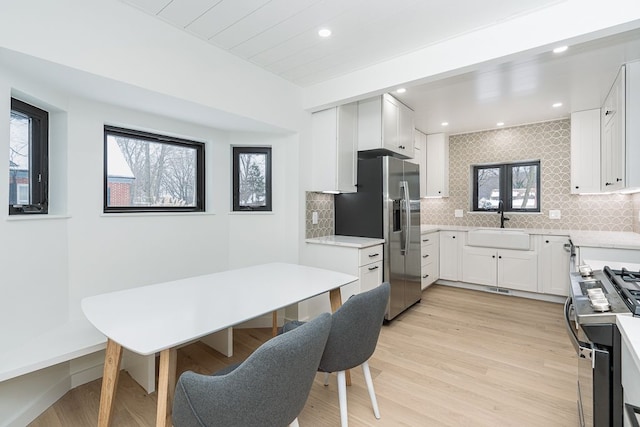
column 354, row 335
column 269, row 388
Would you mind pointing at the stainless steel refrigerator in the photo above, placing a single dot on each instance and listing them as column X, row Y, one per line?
column 387, row 206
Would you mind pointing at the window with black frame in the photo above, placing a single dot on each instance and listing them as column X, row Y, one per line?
column 251, row 179
column 516, row 185
column 146, row 172
column 28, row 159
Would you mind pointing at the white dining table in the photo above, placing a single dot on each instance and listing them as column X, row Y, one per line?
column 158, row 318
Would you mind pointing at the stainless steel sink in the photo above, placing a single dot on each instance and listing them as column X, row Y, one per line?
column 501, row 238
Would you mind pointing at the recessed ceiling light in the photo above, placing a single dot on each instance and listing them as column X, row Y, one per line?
column 401, row 90
column 324, row 32
column 445, row 123
column 500, row 124
column 560, row 49
column 557, row 104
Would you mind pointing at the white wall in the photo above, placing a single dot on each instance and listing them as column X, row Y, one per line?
column 110, row 39
column 78, row 251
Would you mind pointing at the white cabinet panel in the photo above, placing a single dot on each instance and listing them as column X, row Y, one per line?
column 479, row 265
column 613, row 136
column 585, row 151
column 450, row 254
column 437, row 176
column 334, row 148
column 420, row 159
column 554, row 265
column 518, row 270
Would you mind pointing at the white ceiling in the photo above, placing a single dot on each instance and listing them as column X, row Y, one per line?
column 281, row 37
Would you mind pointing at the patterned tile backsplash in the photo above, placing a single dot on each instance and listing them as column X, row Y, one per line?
column 323, row 204
column 548, row 142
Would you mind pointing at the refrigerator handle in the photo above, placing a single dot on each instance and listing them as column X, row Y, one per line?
column 404, row 185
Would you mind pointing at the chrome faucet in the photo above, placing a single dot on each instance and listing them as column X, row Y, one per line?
column 501, row 212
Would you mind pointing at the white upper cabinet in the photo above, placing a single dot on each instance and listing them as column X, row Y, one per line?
column 420, row 159
column 334, row 149
column 384, row 123
column 437, row 175
column 620, row 147
column 585, row 151
column 613, row 136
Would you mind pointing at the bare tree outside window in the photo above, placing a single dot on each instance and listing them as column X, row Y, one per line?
column 251, row 178
column 160, row 174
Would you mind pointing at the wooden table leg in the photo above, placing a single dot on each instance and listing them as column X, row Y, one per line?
column 166, row 386
column 274, row 323
column 110, row 374
column 335, row 297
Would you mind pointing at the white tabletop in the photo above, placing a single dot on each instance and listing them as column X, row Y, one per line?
column 153, row 318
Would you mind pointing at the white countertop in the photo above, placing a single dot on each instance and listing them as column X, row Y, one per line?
column 630, row 331
column 349, row 241
column 584, row 238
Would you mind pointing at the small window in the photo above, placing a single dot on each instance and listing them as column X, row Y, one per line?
column 251, row 179
column 28, row 159
column 145, row 172
column 516, row 185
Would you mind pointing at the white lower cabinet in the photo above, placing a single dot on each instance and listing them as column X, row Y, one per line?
column 430, row 252
column 450, row 254
column 365, row 263
column 554, row 265
column 503, row 268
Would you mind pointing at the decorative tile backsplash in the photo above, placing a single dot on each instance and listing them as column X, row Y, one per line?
column 323, row 204
column 550, row 143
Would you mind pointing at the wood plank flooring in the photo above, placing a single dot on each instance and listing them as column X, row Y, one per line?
column 458, row 358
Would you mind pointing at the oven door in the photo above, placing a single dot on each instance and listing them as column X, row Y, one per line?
column 594, row 376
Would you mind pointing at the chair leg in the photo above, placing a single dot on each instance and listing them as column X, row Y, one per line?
column 326, row 378
column 342, row 397
column 372, row 393
column 294, row 423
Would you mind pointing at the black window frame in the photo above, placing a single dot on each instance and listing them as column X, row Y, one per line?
column 162, row 139
column 505, row 186
column 39, row 160
column 236, row 178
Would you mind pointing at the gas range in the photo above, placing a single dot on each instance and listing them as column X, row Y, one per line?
column 627, row 284
column 599, row 296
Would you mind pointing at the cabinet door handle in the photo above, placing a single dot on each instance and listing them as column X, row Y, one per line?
column 493, row 256
column 546, row 241
column 424, row 256
column 608, row 183
column 425, row 240
column 425, row 276
column 618, row 179
column 453, row 237
column 500, row 257
column 577, row 187
column 375, row 267
column 374, row 255
column 606, row 113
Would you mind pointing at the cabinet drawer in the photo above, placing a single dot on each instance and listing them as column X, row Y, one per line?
column 369, row 255
column 429, row 274
column 370, row 276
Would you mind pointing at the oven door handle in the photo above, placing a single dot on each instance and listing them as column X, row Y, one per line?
column 583, row 349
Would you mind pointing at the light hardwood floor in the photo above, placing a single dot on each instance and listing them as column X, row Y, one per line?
column 458, row 358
